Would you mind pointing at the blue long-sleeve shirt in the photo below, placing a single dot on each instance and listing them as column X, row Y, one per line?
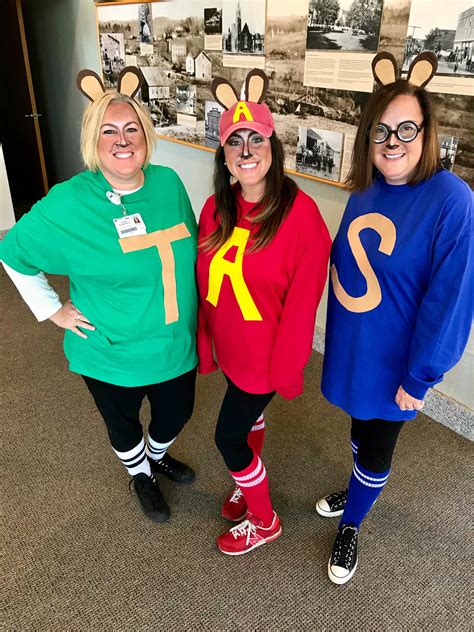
column 400, row 294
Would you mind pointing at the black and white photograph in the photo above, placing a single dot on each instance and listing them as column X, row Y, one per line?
column 212, row 116
column 124, row 20
column 177, row 53
column 456, row 119
column 112, row 54
column 448, row 148
column 156, row 94
column 186, row 99
column 350, row 25
column 199, row 66
column 145, row 23
column 393, row 30
column 213, row 21
column 286, row 29
column 319, row 153
column 243, row 27
column 294, row 105
column 447, row 29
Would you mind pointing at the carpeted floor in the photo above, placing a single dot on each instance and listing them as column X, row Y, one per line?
column 79, row 555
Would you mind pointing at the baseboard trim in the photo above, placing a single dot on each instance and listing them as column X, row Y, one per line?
column 438, row 406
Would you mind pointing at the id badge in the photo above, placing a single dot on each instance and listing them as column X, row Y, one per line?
column 130, row 225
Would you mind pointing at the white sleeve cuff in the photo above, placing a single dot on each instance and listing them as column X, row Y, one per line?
column 36, row 292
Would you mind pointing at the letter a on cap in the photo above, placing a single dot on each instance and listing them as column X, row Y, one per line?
column 242, row 109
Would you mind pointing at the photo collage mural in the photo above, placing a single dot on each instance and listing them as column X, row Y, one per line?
column 317, row 54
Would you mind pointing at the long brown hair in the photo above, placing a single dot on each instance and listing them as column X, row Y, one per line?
column 272, row 208
column 362, row 171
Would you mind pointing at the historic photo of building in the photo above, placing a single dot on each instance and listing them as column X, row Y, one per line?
column 199, row 67
column 186, row 100
column 145, row 23
column 243, row 27
column 448, row 148
column 112, row 53
column 319, row 152
column 448, row 33
column 156, row 93
column 212, row 117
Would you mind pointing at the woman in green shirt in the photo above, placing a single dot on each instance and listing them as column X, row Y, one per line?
column 124, row 233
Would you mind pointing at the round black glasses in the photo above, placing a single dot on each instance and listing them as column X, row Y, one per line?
column 405, row 132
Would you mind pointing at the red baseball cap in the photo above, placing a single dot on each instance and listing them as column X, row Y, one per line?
column 246, row 115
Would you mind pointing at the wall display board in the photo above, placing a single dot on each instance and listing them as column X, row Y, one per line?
column 317, row 54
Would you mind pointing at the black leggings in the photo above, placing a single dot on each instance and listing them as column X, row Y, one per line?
column 376, row 439
column 171, row 404
column 238, row 413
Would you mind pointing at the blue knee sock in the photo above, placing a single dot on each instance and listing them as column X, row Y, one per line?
column 364, row 487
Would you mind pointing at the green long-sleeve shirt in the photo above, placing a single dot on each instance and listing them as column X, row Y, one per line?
column 139, row 292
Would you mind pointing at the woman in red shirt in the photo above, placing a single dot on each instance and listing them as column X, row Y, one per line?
column 262, row 266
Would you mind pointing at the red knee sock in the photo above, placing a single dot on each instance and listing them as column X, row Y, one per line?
column 253, row 482
column 256, row 436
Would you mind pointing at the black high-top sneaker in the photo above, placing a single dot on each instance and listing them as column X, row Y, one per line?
column 151, row 499
column 173, row 469
column 343, row 561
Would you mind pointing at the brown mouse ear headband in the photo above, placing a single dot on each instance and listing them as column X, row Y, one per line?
column 224, row 92
column 256, row 86
column 421, row 71
column 90, row 84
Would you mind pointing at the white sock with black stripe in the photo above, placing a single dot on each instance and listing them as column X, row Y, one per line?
column 156, row 451
column 135, row 460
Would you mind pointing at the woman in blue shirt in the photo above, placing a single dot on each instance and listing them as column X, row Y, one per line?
column 400, row 295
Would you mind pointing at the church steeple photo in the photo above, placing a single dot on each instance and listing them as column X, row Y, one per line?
column 240, row 36
column 239, row 21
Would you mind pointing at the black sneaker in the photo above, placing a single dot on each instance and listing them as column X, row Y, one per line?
column 343, row 561
column 332, row 505
column 173, row 469
column 151, row 499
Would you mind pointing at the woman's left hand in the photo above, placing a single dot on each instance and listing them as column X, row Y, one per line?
column 406, row 402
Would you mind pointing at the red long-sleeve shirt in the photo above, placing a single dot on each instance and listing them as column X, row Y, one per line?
column 259, row 308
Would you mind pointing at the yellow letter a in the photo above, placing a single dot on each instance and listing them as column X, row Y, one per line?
column 242, row 109
column 220, row 266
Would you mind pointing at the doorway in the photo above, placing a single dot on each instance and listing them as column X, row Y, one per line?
column 20, row 134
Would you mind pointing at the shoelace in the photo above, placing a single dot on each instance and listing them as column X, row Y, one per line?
column 337, row 498
column 245, row 528
column 148, row 489
column 236, row 495
column 344, row 546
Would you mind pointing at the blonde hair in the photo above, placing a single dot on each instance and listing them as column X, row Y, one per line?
column 92, row 120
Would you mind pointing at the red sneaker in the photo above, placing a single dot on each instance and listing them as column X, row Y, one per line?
column 234, row 507
column 247, row 535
